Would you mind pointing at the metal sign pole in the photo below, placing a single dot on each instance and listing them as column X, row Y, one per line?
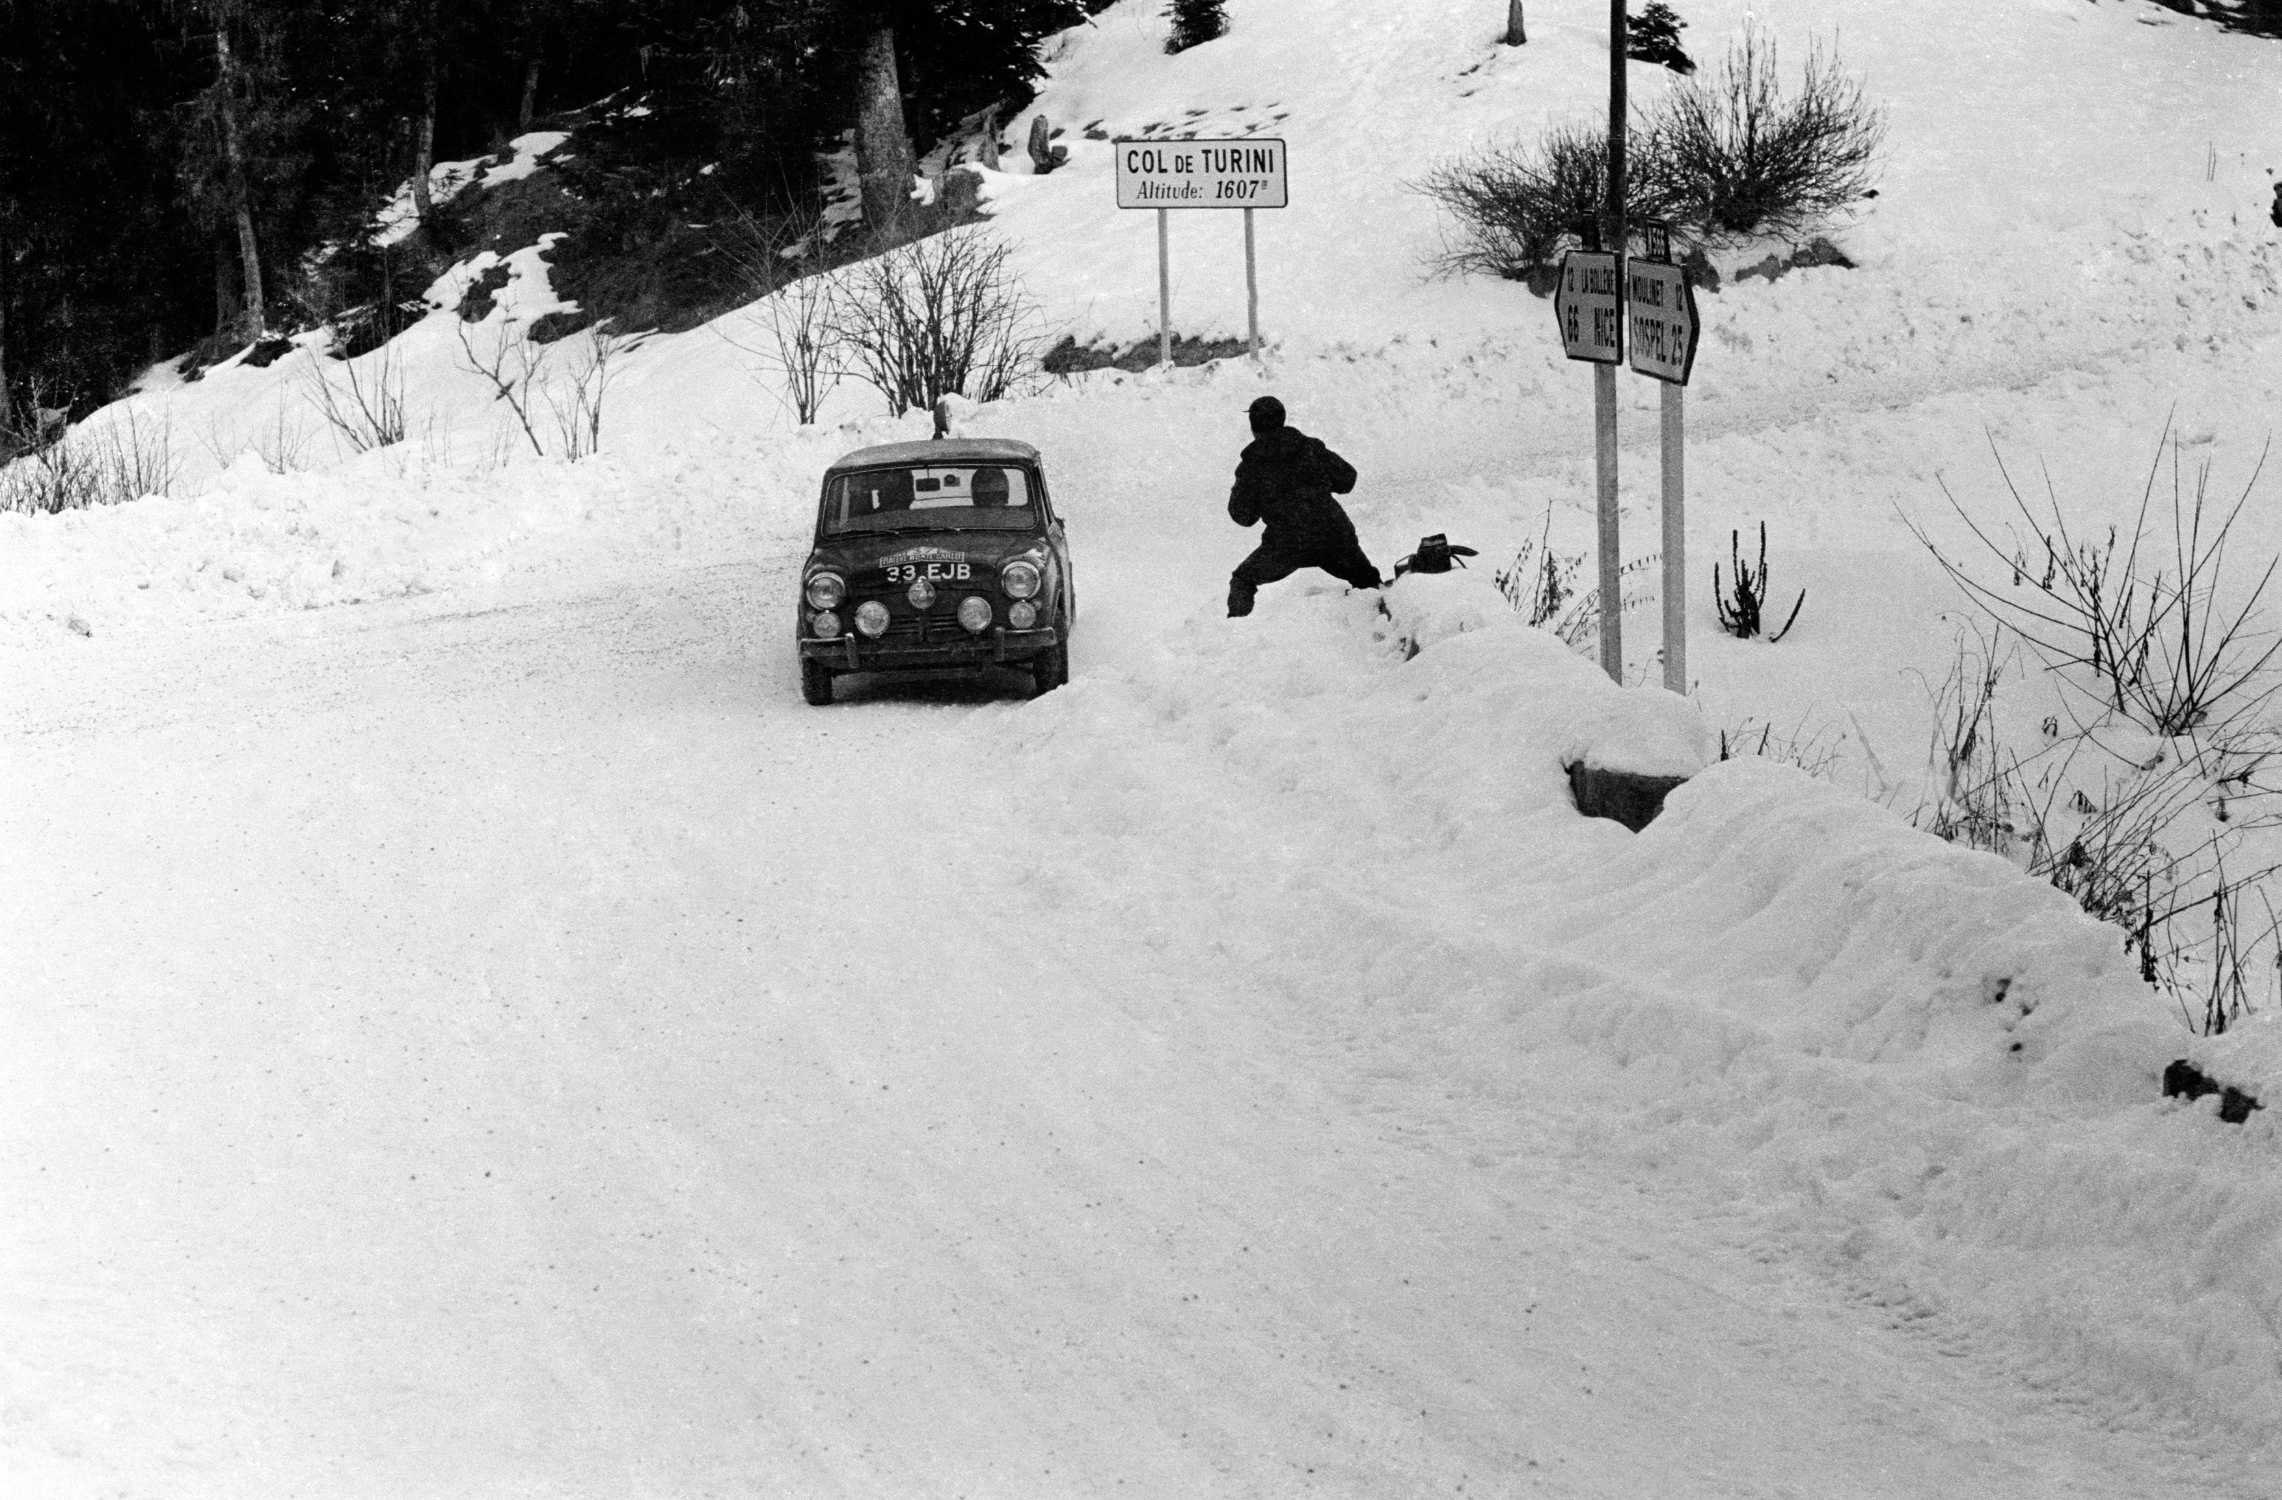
column 1604, row 472
column 1244, row 172
column 1164, row 293
column 1661, row 308
column 1604, row 376
column 1251, row 286
column 1675, row 538
column 1588, row 309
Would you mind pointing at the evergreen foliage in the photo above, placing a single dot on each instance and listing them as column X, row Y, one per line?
column 1654, row 36
column 325, row 104
column 1195, row 22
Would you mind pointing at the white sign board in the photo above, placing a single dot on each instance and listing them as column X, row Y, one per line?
column 1589, row 306
column 1662, row 313
column 1242, row 173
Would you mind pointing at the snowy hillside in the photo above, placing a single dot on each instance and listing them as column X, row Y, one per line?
column 466, row 1027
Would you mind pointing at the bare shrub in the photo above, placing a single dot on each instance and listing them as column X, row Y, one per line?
column 123, row 459
column 1723, row 159
column 282, row 444
column 1543, row 588
column 2117, row 819
column 1540, row 584
column 50, row 480
column 2145, row 615
column 1742, row 601
column 2239, row 948
column 365, row 408
column 1805, row 748
column 511, row 365
column 279, row 443
column 578, row 413
column 807, row 358
column 1735, row 157
column 1972, row 794
column 517, row 367
column 938, row 316
column 794, row 305
column 1518, row 208
column 136, row 457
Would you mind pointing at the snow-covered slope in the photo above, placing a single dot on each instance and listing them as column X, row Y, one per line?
column 469, row 1028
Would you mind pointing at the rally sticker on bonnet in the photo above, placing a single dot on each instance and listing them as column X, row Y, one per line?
column 921, row 555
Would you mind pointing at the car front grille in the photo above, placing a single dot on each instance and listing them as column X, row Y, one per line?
column 934, row 626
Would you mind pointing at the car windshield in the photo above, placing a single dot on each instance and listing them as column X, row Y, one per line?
column 930, row 497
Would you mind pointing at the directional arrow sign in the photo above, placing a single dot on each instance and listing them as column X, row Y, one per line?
column 1662, row 308
column 1588, row 304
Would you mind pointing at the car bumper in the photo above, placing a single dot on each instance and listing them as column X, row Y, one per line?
column 854, row 653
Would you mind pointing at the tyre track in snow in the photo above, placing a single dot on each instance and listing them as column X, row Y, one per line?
column 1278, row 1297
column 1361, row 920
column 544, row 1105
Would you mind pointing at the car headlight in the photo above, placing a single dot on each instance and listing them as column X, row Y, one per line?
column 1022, row 614
column 974, row 613
column 1019, row 578
column 871, row 618
column 826, row 590
column 824, row 623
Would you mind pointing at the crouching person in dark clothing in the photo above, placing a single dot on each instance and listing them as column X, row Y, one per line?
column 1286, row 480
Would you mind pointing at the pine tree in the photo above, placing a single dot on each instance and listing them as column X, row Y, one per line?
column 241, row 153
column 87, row 272
column 1654, row 36
column 1195, row 22
column 883, row 142
column 964, row 56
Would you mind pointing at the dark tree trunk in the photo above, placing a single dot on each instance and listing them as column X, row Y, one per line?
column 424, row 135
column 884, row 161
column 225, row 284
column 6, row 406
column 1515, row 35
column 250, row 316
column 528, row 105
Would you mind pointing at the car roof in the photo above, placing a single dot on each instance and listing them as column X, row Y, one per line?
column 938, row 450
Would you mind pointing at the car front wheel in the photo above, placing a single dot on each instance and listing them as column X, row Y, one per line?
column 815, row 681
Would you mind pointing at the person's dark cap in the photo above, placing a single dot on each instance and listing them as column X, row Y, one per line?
column 1267, row 414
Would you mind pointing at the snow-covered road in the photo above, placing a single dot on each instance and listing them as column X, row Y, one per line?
column 528, row 1051
column 468, row 1029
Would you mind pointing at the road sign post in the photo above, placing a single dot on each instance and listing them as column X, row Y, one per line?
column 1246, row 173
column 1164, row 290
column 1661, row 313
column 1604, row 377
column 1588, row 304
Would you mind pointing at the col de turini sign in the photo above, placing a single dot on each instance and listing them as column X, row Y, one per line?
column 1247, row 173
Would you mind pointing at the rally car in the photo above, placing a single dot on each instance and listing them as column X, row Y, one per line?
column 939, row 555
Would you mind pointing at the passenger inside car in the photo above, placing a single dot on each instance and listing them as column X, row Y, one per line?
column 891, row 489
